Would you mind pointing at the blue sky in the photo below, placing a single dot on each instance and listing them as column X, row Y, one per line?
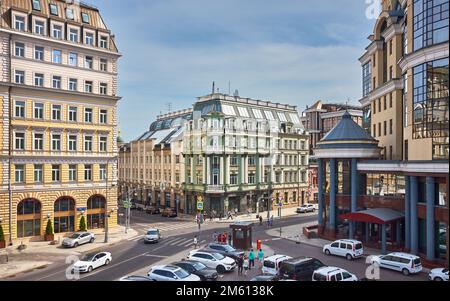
column 289, row 51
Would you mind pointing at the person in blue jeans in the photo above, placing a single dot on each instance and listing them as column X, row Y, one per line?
column 251, row 259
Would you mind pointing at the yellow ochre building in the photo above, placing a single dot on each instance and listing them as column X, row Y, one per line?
column 58, row 118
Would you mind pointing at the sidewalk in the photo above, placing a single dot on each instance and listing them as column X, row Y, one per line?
column 252, row 217
column 41, row 254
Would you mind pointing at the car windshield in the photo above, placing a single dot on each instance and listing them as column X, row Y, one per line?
column 199, row 266
column 218, row 256
column 152, row 232
column 445, row 271
column 75, row 235
column 181, row 274
column 229, row 248
column 88, row 257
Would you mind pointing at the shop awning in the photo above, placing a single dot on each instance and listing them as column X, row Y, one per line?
column 376, row 216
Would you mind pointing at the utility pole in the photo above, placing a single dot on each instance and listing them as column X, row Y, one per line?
column 106, row 204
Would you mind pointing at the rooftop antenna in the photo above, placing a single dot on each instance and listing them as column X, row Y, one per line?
column 229, row 87
column 213, row 87
column 236, row 93
column 169, row 107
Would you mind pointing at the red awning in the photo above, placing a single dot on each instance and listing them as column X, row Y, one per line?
column 376, row 216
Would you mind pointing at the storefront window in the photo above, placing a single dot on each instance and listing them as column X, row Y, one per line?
column 29, row 218
column 96, row 212
column 385, row 185
column 64, row 215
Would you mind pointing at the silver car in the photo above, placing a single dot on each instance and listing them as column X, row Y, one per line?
column 78, row 238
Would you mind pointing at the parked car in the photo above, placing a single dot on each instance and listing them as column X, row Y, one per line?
column 198, row 268
column 152, row 210
column 348, row 248
column 307, row 208
column 169, row 212
column 300, row 268
column 402, row 262
column 439, row 274
column 171, row 273
column 153, row 235
column 260, row 278
column 271, row 265
column 136, row 278
column 78, row 238
column 226, row 250
column 215, row 261
column 90, row 262
column 333, row 274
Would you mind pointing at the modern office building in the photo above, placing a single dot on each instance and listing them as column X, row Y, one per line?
column 390, row 189
column 151, row 167
column 244, row 154
column 58, row 123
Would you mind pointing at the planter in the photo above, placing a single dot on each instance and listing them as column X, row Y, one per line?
column 49, row 237
column 2, row 244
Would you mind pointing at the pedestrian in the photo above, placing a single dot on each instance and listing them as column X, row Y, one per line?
column 271, row 221
column 240, row 263
column 260, row 220
column 260, row 257
column 235, row 212
column 248, row 211
column 195, row 242
column 215, row 236
column 251, row 259
column 246, row 265
column 229, row 238
column 229, row 215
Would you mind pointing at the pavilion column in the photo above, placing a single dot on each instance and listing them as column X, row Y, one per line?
column 414, row 220
column 332, row 218
column 321, row 194
column 430, row 190
column 354, row 195
column 367, row 230
column 398, row 234
column 383, row 239
column 407, row 213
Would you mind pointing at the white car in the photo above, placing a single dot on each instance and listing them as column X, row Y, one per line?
column 438, row 275
column 171, row 273
column 90, row 262
column 78, row 238
column 402, row 262
column 271, row 265
column 307, row 208
column 216, row 261
column 135, row 278
column 333, row 274
column 152, row 236
column 348, row 248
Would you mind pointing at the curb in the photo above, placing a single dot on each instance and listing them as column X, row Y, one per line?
column 12, row 275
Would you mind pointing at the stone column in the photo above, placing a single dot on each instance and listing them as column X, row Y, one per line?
column 398, row 234
column 414, row 220
column 383, row 239
column 208, row 170
column 332, row 217
column 430, row 190
column 354, row 194
column 407, row 213
column 321, row 194
column 367, row 226
column 221, row 171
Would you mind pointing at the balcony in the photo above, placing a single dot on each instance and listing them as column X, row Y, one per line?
column 215, row 189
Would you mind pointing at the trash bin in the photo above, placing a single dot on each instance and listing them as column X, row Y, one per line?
column 242, row 235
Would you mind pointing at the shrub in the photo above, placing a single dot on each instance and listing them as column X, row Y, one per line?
column 49, row 228
column 2, row 235
column 83, row 224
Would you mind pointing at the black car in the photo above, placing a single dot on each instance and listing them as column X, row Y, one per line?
column 225, row 250
column 152, row 210
column 199, row 269
column 300, row 268
column 260, row 278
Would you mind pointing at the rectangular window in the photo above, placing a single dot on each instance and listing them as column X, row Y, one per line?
column 103, row 144
column 20, row 77
column 39, row 53
column 38, row 141
column 85, row 18
column 73, row 35
column 39, row 79
column 54, row 9
column 391, row 100
column 390, row 152
column 73, row 114
column 39, row 27
column 38, row 173
column 56, row 173
column 69, row 14
column 379, row 129
column 38, row 111
column 251, row 178
column 19, row 141
column 88, row 115
column 57, row 32
column 20, row 49
column 88, row 172
column 89, row 62
column 379, row 104
column 56, row 56
column 391, row 72
column 104, row 65
column 73, row 59
column 19, row 23
column 104, row 117
column 56, row 142
column 36, row 4
column 390, row 126
column 73, row 84
column 19, row 174
column 406, row 150
column 88, row 143
column 385, row 128
column 390, row 47
column 56, row 112
column 89, row 39
column 72, row 173
column 56, row 82
column 233, row 179
column 385, row 103
column 20, row 109
column 104, row 42
column 103, row 88
column 374, row 130
column 72, row 143
column 102, row 172
column 88, row 87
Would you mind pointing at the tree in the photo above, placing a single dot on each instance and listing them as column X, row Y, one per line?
column 49, row 228
column 83, row 224
column 2, row 234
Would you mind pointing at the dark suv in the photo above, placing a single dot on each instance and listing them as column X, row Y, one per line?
column 300, row 268
column 225, row 250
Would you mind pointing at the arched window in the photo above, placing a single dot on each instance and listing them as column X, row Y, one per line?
column 96, row 206
column 64, row 208
column 29, row 218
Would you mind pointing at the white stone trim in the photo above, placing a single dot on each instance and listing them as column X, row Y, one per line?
column 339, row 153
column 391, row 31
column 421, row 167
column 392, row 85
column 424, row 55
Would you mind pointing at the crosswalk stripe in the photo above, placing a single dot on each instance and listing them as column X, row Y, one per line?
column 186, row 243
column 175, row 241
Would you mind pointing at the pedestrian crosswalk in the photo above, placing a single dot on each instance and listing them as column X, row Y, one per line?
column 165, row 227
column 171, row 241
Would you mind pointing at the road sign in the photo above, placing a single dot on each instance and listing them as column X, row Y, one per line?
column 200, row 205
column 126, row 204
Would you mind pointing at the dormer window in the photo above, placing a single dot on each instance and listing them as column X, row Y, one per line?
column 89, row 39
column 54, row 10
column 104, row 42
column 19, row 23
column 69, row 14
column 36, row 4
column 73, row 35
column 85, row 18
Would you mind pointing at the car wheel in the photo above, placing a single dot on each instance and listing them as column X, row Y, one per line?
column 107, row 262
column 327, row 252
column 349, row 257
column 220, row 269
column 90, row 269
column 405, row 272
column 92, row 240
column 438, row 279
column 314, row 210
column 75, row 245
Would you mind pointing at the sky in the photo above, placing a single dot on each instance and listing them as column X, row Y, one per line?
column 287, row 51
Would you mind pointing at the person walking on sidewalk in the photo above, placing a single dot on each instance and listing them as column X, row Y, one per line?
column 251, row 259
column 229, row 238
column 260, row 258
column 229, row 215
column 260, row 220
column 195, row 242
column 246, row 265
column 240, row 263
column 215, row 236
column 271, row 221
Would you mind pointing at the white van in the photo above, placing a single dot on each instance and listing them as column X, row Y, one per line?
column 333, row 274
column 271, row 264
column 398, row 261
column 348, row 248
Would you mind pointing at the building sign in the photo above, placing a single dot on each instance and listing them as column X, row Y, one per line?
column 81, row 209
column 200, row 204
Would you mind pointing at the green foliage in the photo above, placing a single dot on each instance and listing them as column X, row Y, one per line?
column 83, row 226
column 2, row 234
column 49, row 228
